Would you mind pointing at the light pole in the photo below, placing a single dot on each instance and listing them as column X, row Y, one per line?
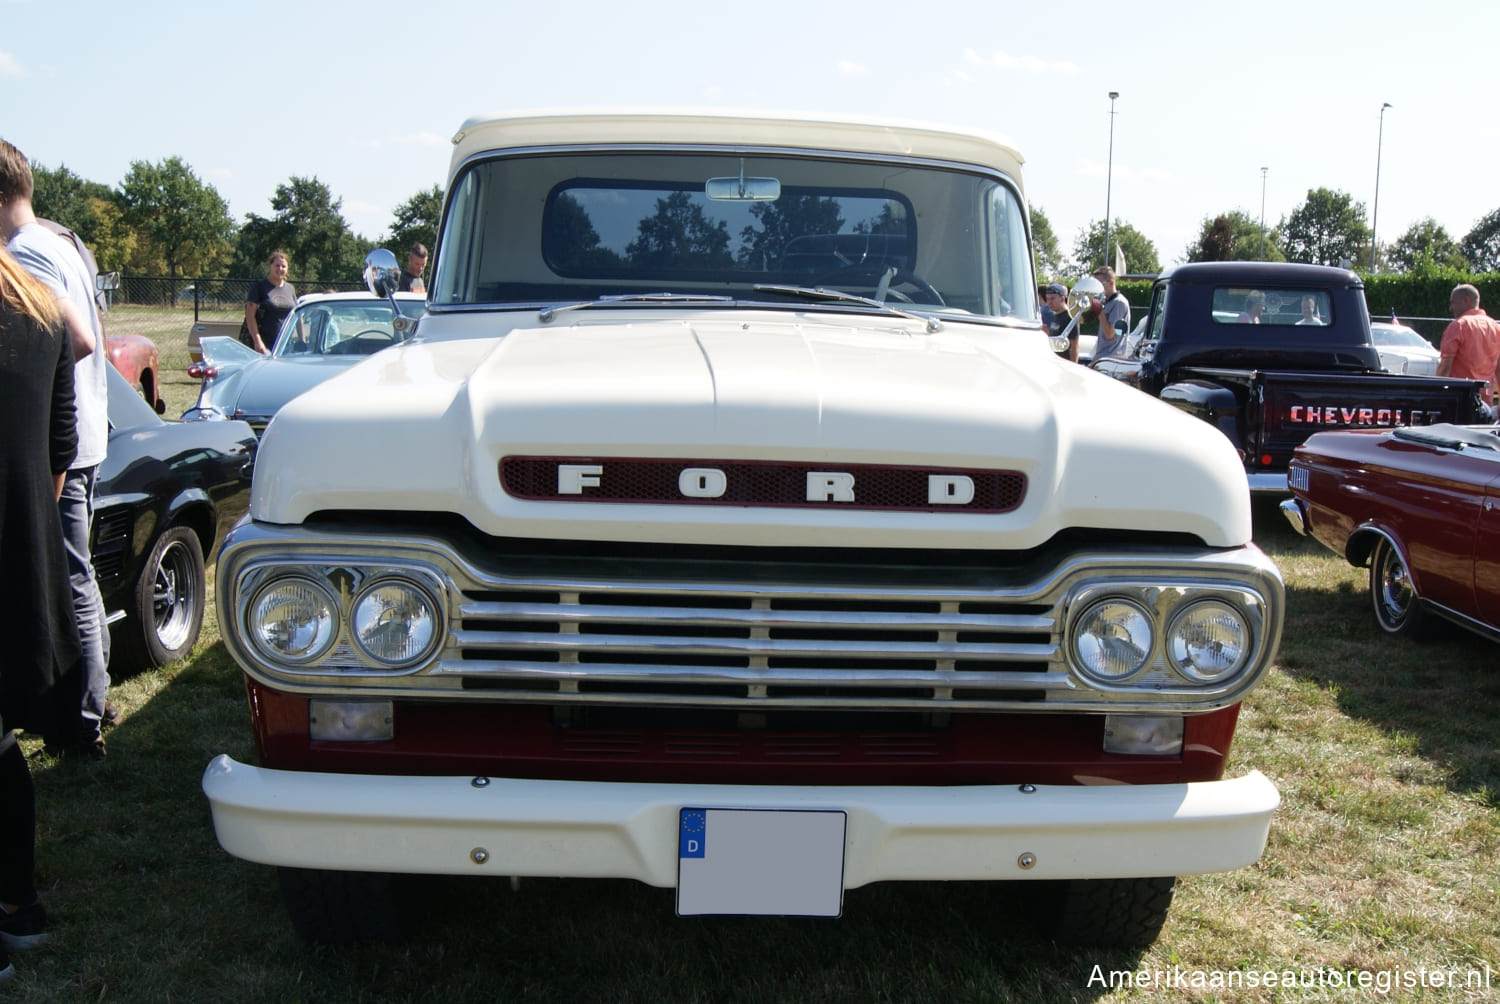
column 1375, row 213
column 1263, row 212
column 1109, row 175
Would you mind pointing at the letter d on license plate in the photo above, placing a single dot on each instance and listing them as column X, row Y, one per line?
column 760, row 862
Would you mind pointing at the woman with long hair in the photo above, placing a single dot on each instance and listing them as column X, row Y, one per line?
column 41, row 675
column 270, row 300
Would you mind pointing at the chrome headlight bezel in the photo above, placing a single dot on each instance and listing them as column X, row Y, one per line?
column 343, row 584
column 1166, row 604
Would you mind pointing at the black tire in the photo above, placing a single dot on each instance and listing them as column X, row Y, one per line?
column 340, row 908
column 166, row 612
column 1108, row 913
column 1393, row 597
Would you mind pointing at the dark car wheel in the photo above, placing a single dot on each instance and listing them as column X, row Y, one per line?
column 340, row 908
column 167, row 609
column 1392, row 594
column 1106, row 913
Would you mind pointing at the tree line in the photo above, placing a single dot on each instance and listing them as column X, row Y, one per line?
column 162, row 219
column 1329, row 228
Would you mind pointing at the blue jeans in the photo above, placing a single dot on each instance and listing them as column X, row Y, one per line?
column 77, row 510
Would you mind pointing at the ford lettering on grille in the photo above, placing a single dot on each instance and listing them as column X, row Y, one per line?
column 760, row 483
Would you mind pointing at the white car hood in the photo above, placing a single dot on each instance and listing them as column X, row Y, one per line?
column 423, row 427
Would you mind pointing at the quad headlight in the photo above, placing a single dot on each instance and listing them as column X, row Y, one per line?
column 1168, row 639
column 1113, row 639
column 293, row 620
column 1208, row 641
column 318, row 618
column 394, row 622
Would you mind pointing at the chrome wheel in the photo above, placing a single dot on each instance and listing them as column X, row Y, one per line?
column 1392, row 594
column 174, row 596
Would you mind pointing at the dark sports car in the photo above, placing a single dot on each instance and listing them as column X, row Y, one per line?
column 166, row 494
column 1421, row 506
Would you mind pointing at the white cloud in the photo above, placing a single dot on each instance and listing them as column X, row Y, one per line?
column 849, row 68
column 10, row 66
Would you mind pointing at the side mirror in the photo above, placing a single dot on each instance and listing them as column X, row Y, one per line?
column 106, row 281
column 382, row 273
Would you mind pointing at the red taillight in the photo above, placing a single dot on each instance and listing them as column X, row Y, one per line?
column 1265, row 460
column 201, row 371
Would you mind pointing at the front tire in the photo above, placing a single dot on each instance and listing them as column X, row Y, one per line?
column 340, row 908
column 1108, row 913
column 167, row 609
column 1393, row 596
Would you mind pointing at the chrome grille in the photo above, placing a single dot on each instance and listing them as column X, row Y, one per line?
column 783, row 646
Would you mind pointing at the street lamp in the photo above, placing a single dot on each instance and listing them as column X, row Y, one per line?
column 1375, row 213
column 1109, row 175
column 1263, row 212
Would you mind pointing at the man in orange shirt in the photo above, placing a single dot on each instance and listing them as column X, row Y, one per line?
column 1471, row 343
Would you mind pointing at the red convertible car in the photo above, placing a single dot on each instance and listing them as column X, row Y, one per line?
column 1420, row 506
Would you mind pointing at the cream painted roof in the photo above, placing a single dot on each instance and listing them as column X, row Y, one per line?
column 793, row 130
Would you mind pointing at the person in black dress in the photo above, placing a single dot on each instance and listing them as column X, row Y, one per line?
column 41, row 661
column 270, row 300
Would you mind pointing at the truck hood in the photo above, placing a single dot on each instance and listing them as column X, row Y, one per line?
column 424, row 427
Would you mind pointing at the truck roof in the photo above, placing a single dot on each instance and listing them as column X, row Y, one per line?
column 742, row 130
column 1262, row 273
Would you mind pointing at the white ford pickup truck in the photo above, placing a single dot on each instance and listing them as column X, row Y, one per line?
column 729, row 525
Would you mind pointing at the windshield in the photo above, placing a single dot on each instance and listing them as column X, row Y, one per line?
column 343, row 327
column 546, row 229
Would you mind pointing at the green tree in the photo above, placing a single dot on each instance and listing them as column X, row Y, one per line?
column 62, row 196
column 779, row 222
column 1425, row 240
column 1481, row 245
column 1140, row 252
column 415, row 221
column 1046, row 256
column 1244, row 238
column 1326, row 229
column 309, row 226
column 679, row 236
column 181, row 224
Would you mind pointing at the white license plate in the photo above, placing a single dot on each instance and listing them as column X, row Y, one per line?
column 760, row 862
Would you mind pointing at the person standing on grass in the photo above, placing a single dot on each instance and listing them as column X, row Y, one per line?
column 57, row 264
column 41, row 669
column 1471, row 343
column 270, row 300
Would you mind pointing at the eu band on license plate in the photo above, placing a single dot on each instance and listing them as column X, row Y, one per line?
column 760, row 862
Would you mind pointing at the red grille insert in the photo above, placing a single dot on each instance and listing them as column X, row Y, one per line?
column 759, row 483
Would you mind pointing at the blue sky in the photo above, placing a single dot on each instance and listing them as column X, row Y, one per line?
column 365, row 96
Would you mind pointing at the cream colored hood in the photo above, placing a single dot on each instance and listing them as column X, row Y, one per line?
column 423, row 428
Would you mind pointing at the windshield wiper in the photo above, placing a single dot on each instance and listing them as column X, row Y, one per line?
column 549, row 312
column 839, row 296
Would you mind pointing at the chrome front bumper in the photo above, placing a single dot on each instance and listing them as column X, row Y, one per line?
column 584, row 829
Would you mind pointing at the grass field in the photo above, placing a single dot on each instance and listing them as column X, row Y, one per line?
column 1384, row 859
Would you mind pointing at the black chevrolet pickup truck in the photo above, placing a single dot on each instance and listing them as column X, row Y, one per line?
column 1271, row 353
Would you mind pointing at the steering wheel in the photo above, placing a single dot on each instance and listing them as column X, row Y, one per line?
column 364, row 343
column 873, row 274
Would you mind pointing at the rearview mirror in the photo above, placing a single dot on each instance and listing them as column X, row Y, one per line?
column 382, row 274
column 742, row 189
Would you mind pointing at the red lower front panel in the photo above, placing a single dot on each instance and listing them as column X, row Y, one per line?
column 525, row 741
